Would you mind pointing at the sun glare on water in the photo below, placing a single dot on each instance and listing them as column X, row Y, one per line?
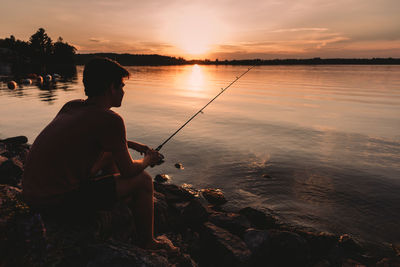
column 196, row 78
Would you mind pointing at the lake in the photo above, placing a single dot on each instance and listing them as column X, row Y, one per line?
column 318, row 145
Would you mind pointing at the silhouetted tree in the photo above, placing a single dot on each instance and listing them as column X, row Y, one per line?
column 41, row 47
column 39, row 55
column 63, row 52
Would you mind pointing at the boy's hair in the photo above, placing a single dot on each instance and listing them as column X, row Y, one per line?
column 100, row 73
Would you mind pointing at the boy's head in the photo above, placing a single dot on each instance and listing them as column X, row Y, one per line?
column 100, row 73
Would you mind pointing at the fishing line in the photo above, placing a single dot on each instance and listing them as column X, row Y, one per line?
column 201, row 110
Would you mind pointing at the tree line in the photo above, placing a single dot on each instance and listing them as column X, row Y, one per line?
column 38, row 55
column 158, row 60
column 133, row 60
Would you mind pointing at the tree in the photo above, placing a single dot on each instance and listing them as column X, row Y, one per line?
column 63, row 52
column 41, row 44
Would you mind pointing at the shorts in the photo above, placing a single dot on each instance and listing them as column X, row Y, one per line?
column 93, row 195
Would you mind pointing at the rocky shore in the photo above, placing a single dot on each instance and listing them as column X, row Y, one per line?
column 194, row 220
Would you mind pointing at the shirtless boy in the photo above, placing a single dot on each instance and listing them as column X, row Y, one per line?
column 84, row 139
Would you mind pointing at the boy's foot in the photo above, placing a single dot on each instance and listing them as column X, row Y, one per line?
column 162, row 242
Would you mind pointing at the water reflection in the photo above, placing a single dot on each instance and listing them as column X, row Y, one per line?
column 195, row 80
column 304, row 141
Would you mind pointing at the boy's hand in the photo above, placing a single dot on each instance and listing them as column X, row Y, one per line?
column 153, row 157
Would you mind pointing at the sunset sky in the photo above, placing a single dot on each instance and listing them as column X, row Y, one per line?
column 223, row 29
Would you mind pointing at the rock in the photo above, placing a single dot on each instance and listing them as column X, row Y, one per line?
column 161, row 214
column 191, row 189
column 10, row 171
column 256, row 239
column 352, row 263
column 117, row 254
column 321, row 244
column 396, row 248
column 287, row 249
column 233, row 222
column 267, row 176
column 15, row 147
column 22, row 234
column 214, row 196
column 17, row 140
column 259, row 219
column 179, row 166
column 322, row 263
column 194, row 213
column 389, row 262
column 118, row 224
column 222, row 247
column 347, row 248
column 162, row 178
column 349, row 245
column 173, row 193
column 190, row 242
column 187, row 214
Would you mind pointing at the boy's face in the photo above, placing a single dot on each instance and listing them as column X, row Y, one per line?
column 117, row 93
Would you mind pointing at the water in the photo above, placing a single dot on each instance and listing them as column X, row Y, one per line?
column 319, row 145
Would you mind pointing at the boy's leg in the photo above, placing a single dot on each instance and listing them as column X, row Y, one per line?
column 139, row 191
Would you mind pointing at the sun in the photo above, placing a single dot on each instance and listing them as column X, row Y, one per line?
column 194, row 32
column 195, row 37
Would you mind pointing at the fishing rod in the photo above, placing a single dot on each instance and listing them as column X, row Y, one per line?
column 201, row 110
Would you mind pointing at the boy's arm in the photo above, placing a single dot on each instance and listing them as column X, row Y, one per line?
column 138, row 147
column 114, row 140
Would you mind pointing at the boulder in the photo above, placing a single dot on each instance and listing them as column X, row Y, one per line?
column 15, row 147
column 349, row 245
column 256, row 240
column 389, row 262
column 259, row 219
column 116, row 254
column 173, row 193
column 162, row 178
column 322, row 263
column 222, row 247
column 22, row 234
column 233, row 222
column 287, row 249
column 17, row 140
column 117, row 224
column 351, row 263
column 347, row 248
column 214, row 196
column 161, row 214
column 179, row 166
column 321, row 244
column 193, row 213
column 396, row 248
column 10, row 171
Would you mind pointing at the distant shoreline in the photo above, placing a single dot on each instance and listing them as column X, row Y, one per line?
column 159, row 60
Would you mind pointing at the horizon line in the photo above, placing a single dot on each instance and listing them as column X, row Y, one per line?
column 248, row 59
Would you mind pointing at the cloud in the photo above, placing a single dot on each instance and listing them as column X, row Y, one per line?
column 98, row 40
column 300, row 30
column 97, row 45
